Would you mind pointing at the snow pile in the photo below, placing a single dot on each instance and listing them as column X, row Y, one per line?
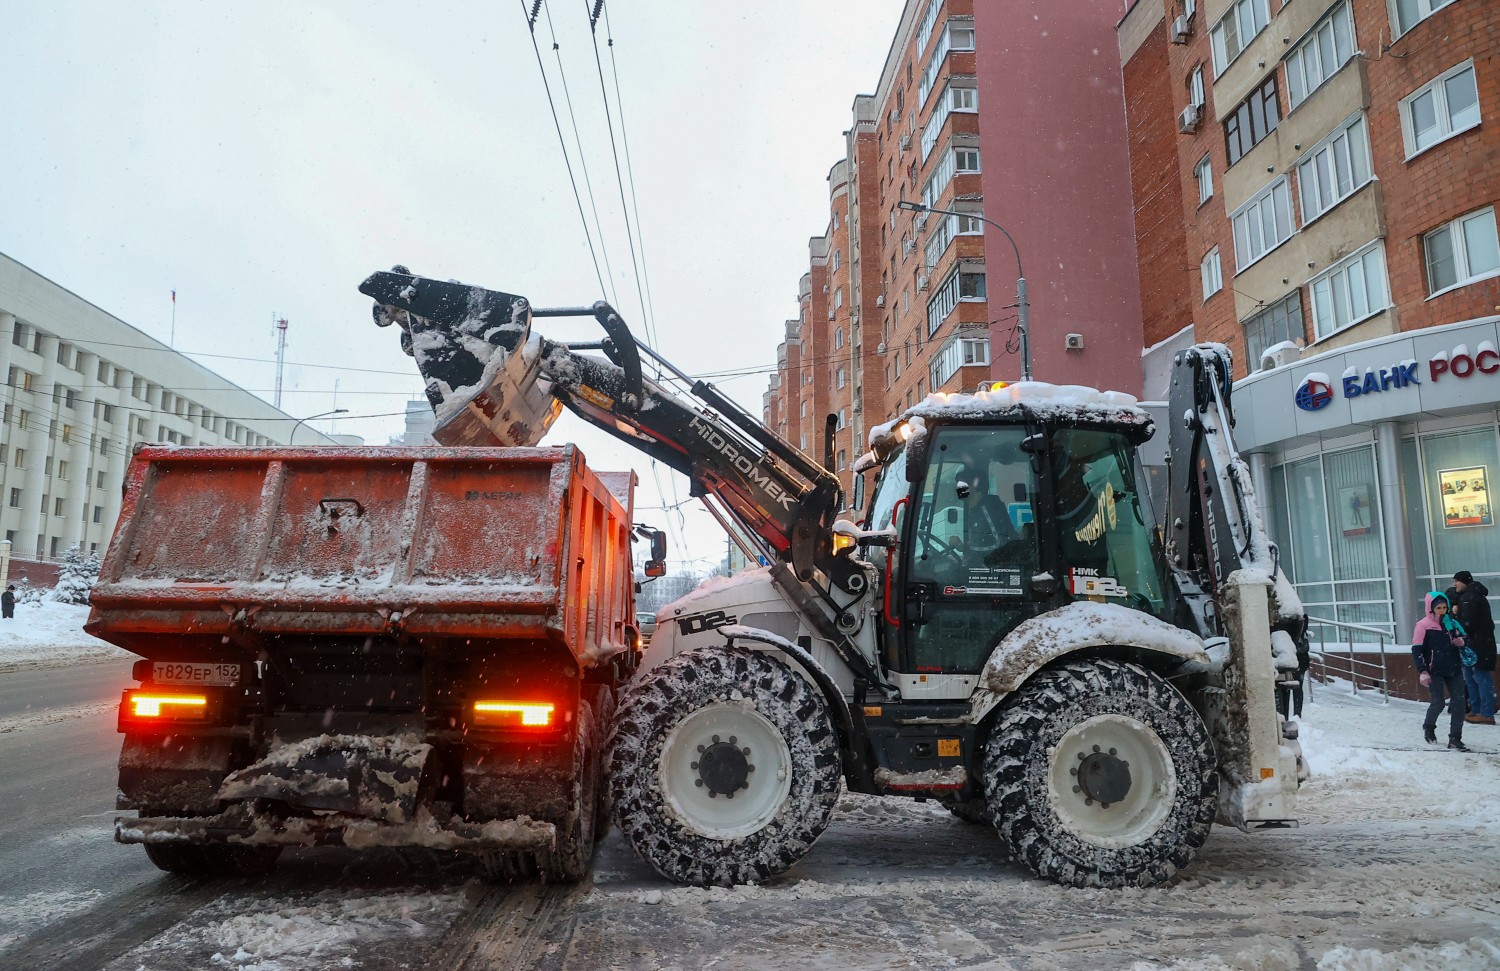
column 319, row 931
column 47, row 635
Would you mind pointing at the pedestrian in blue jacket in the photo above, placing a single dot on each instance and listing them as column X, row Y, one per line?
column 1436, row 642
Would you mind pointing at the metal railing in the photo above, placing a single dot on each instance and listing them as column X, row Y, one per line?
column 1358, row 667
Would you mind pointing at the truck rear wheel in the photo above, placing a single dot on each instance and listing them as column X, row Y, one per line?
column 216, row 860
column 568, row 861
column 724, row 767
column 1101, row 774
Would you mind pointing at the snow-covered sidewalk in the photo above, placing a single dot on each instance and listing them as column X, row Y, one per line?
column 51, row 635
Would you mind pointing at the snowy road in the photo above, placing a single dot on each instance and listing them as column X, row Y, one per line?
column 1395, row 867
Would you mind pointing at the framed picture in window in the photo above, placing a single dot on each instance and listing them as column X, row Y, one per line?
column 1355, row 512
column 1466, row 497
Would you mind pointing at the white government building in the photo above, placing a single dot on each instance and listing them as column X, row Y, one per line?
column 82, row 387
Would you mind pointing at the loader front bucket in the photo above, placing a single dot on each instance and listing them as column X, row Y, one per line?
column 373, row 777
column 474, row 348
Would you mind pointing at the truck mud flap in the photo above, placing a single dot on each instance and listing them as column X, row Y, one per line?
column 241, row 825
column 374, row 777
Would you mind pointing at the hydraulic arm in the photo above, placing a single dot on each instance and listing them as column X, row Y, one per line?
column 466, row 340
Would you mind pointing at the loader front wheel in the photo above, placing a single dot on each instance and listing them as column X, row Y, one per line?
column 215, row 860
column 724, row 767
column 1101, row 774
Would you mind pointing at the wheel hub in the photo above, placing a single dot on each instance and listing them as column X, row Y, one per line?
column 723, row 767
column 1103, row 776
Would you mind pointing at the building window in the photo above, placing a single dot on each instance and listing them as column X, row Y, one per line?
column 960, row 285
column 18, row 335
column 99, row 479
column 1276, row 324
column 843, row 417
column 98, row 514
column 842, row 378
column 57, row 507
column 62, row 469
column 52, row 550
column 961, row 352
column 1462, row 252
column 1212, row 274
column 1236, row 29
column 957, row 35
column 1326, row 48
column 1409, row 13
column 1334, row 169
column 838, row 258
column 20, row 461
column 963, row 99
column 1440, row 109
column 70, row 398
column 15, row 498
column 838, row 338
column 1255, row 118
column 1350, row 291
column 1196, row 95
column 1204, row 174
column 1263, row 223
column 67, row 433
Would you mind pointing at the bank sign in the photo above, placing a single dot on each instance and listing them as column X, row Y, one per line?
column 1318, row 390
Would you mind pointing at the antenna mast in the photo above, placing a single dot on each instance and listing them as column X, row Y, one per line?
column 280, row 355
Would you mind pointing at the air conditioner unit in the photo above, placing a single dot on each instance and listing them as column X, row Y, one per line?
column 1187, row 122
column 920, row 222
column 1073, row 342
column 880, row 348
column 880, row 300
column 830, row 315
column 1181, row 28
column 905, row 142
column 922, row 282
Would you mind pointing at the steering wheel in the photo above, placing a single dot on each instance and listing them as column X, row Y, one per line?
column 944, row 555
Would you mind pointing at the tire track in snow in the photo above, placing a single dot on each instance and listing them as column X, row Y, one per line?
column 90, row 940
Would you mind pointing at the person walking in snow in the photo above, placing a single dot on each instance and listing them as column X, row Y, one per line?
column 1472, row 608
column 1435, row 645
column 8, row 602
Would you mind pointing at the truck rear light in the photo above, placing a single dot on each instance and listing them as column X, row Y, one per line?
column 146, row 707
column 514, row 714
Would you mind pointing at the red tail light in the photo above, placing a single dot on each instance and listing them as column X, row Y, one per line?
column 144, row 708
column 530, row 715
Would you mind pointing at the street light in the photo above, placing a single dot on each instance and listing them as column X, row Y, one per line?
column 1023, row 317
column 293, row 436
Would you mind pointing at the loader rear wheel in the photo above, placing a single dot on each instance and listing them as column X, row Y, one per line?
column 1101, row 774
column 214, row 860
column 724, row 767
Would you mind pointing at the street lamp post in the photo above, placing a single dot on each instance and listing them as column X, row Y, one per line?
column 293, row 436
column 1023, row 315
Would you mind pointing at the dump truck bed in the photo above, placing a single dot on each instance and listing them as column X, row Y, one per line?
column 442, row 545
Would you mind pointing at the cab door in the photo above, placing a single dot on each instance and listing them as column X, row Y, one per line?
column 969, row 549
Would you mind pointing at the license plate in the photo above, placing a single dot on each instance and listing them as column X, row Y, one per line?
column 179, row 672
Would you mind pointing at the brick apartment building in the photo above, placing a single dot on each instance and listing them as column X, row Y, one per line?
column 1314, row 184
column 898, row 304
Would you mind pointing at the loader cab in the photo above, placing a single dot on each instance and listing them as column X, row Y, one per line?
column 998, row 521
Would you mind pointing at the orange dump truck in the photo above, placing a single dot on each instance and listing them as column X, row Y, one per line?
column 368, row 647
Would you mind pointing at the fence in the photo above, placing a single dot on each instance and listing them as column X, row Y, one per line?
column 1364, row 668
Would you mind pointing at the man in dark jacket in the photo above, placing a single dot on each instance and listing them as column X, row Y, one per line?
column 8, row 602
column 1472, row 608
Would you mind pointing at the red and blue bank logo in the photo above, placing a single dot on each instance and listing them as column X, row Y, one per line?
column 1312, row 395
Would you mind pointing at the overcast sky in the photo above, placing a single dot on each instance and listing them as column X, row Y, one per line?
column 263, row 158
